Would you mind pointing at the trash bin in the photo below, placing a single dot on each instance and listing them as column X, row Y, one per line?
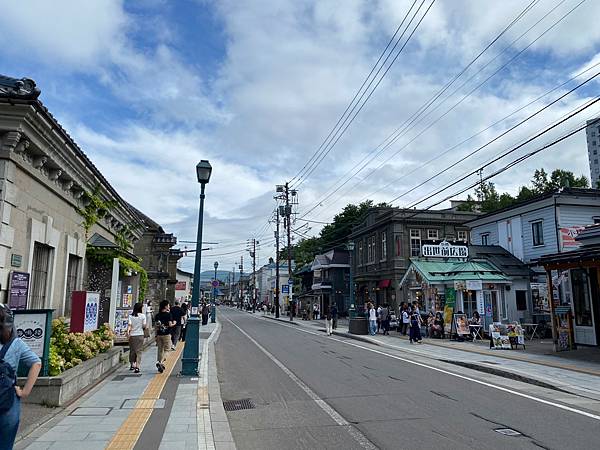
column 358, row 325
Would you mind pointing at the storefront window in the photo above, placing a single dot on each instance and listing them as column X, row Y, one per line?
column 470, row 303
column 581, row 298
column 398, row 244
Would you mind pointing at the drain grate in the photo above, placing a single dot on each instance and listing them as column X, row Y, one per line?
column 507, row 432
column 238, row 405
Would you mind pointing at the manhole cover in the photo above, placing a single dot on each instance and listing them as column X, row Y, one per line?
column 88, row 411
column 507, row 432
column 237, row 405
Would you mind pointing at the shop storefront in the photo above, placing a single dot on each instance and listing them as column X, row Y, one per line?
column 574, row 278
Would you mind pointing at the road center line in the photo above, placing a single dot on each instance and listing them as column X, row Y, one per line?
column 356, row 434
column 447, row 372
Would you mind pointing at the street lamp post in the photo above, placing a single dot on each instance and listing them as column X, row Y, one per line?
column 213, row 307
column 350, row 248
column 189, row 361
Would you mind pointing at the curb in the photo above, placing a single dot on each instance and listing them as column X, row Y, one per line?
column 281, row 320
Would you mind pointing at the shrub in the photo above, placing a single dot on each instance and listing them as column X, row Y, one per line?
column 69, row 349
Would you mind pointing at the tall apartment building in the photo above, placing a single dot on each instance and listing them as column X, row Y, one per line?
column 592, row 133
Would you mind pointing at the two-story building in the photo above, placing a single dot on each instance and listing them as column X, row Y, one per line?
column 547, row 224
column 386, row 240
column 331, row 280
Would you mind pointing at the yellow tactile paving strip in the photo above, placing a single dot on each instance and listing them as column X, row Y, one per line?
column 128, row 434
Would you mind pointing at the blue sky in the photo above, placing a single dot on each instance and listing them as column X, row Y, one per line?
column 148, row 88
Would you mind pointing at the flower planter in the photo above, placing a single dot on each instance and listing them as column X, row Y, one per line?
column 61, row 389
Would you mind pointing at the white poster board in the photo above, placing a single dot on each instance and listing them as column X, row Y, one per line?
column 92, row 307
column 31, row 330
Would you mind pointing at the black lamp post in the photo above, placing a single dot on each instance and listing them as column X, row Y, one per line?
column 189, row 362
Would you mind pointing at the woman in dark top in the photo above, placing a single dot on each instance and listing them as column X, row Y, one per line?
column 164, row 323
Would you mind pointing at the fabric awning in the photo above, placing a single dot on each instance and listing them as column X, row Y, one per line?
column 384, row 284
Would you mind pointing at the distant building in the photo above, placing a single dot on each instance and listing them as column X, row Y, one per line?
column 183, row 287
column 592, row 133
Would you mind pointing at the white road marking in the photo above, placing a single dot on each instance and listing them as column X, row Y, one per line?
column 447, row 372
column 357, row 435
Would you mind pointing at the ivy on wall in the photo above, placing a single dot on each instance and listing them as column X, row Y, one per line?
column 94, row 210
column 127, row 267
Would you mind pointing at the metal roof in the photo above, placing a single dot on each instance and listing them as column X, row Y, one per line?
column 441, row 272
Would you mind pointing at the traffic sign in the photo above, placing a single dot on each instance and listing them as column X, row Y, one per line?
column 290, row 281
column 215, row 283
column 285, row 289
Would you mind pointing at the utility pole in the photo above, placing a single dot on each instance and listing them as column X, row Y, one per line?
column 241, row 282
column 288, row 215
column 277, row 264
column 233, row 282
column 253, row 254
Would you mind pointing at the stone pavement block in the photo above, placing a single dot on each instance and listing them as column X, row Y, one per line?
column 54, row 436
column 91, row 445
column 178, row 437
column 225, row 446
column 100, row 436
column 222, row 436
column 186, row 420
column 39, row 446
column 174, row 427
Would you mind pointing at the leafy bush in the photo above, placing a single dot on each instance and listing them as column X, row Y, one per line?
column 69, row 349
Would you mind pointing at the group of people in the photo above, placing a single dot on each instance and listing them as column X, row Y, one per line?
column 410, row 320
column 170, row 325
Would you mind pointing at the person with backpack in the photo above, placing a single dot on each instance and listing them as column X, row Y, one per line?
column 13, row 351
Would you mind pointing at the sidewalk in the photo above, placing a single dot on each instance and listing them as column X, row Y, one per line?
column 146, row 410
column 565, row 372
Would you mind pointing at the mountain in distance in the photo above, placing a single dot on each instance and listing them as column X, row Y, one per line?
column 222, row 275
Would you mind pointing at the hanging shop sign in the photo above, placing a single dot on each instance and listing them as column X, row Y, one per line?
column 444, row 250
column 474, row 285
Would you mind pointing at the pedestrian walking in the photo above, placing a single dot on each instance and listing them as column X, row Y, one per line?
column 415, row 326
column 329, row 322
column 384, row 317
column 177, row 316
column 184, row 320
column 13, row 352
column 378, row 318
column 316, row 312
column 372, row 320
column 205, row 313
column 334, row 316
column 164, row 322
column 135, row 331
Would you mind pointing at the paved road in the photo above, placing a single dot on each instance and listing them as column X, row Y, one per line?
column 391, row 402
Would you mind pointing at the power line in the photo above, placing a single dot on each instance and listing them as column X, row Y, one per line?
column 501, row 135
column 423, row 107
column 395, row 136
column 356, row 94
column 578, row 110
column 325, row 153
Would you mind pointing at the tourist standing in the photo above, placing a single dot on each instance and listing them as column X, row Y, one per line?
column 415, row 326
column 205, row 313
column 184, row 320
column 405, row 317
column 329, row 322
column 372, row 320
column 135, row 331
column 13, row 352
column 164, row 322
column 334, row 316
column 384, row 317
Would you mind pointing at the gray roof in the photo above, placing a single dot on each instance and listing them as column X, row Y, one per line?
column 24, row 88
column 501, row 258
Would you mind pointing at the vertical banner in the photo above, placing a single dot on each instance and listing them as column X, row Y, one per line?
column 18, row 290
column 92, row 306
column 449, row 308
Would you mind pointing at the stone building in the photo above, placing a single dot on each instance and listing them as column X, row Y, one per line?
column 155, row 251
column 54, row 205
column 387, row 239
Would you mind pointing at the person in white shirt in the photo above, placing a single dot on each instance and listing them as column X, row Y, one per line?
column 135, row 331
column 372, row 320
column 378, row 318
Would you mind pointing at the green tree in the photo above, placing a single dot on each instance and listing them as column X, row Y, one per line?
column 565, row 178
column 540, row 181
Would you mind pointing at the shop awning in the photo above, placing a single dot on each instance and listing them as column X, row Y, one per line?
column 384, row 284
column 446, row 272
